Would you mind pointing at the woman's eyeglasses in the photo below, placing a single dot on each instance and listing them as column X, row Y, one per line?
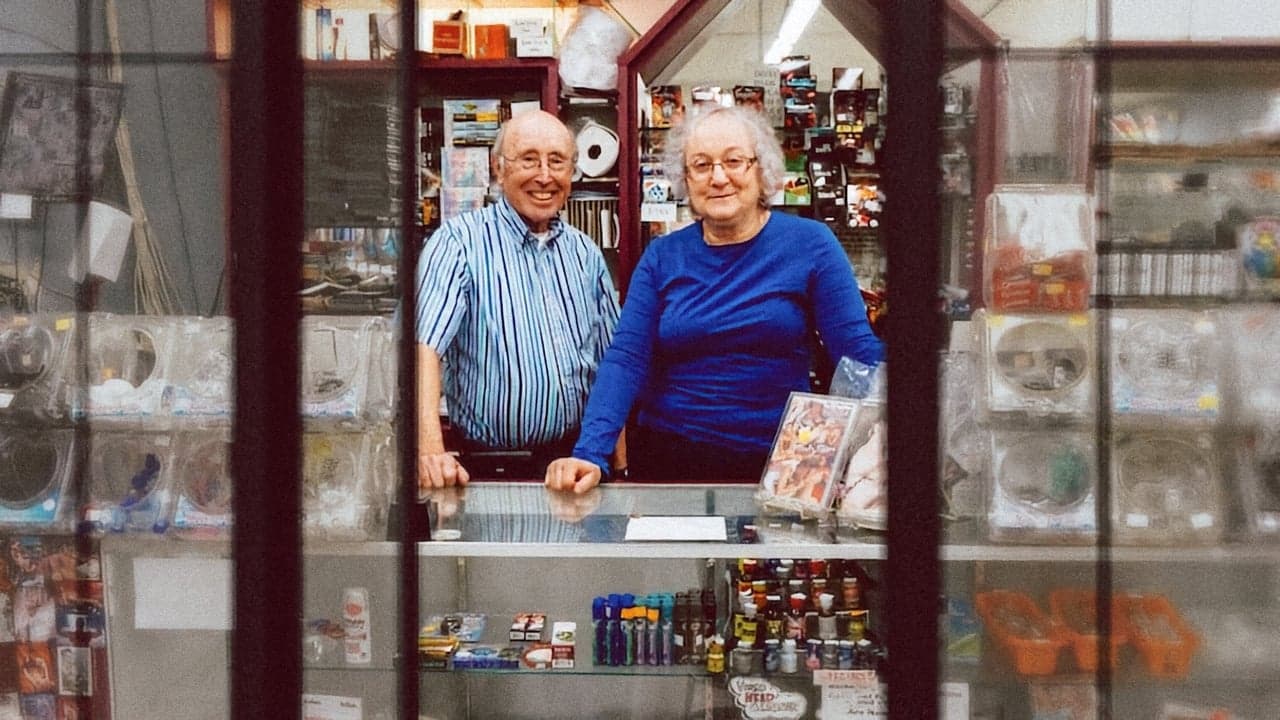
column 733, row 166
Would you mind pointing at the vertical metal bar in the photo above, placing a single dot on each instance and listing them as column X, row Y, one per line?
column 912, row 231
column 1103, row 570
column 413, row 525
column 266, row 230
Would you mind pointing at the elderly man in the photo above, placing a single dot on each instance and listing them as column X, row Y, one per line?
column 520, row 307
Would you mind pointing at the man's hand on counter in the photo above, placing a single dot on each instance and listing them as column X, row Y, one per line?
column 572, row 474
column 440, row 469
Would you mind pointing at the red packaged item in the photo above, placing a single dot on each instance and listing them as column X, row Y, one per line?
column 1021, row 628
column 1039, row 249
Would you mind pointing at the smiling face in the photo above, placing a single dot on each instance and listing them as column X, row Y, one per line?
column 537, row 194
column 729, row 200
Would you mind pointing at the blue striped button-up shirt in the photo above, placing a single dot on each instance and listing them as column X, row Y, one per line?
column 521, row 327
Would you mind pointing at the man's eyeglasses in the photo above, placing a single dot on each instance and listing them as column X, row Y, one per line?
column 533, row 161
column 733, row 166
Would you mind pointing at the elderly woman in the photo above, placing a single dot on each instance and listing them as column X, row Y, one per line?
column 715, row 332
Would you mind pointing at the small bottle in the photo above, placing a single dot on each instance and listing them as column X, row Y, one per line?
column 830, row 654
column 850, row 594
column 680, row 629
column 694, row 642
column 750, row 632
column 786, row 567
column 788, row 663
column 818, row 568
column 857, row 625
column 773, row 618
column 715, row 655
column 826, row 617
column 813, row 654
column 817, row 587
column 794, row 623
column 846, row 655
column 666, row 631
column 772, row 655
column 356, row 637
column 709, row 617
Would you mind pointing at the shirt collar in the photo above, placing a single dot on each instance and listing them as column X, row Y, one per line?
column 521, row 229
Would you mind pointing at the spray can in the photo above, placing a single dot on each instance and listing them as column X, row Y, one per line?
column 356, row 643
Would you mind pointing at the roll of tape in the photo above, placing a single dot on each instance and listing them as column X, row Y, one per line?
column 597, row 150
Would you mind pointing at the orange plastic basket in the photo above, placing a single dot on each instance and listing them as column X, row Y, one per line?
column 1075, row 611
column 1165, row 641
column 1019, row 626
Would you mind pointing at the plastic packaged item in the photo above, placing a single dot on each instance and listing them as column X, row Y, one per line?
column 129, row 483
column 1043, row 486
column 591, row 46
column 1039, row 249
column 864, row 490
column 1165, row 366
column 965, row 444
column 356, row 634
column 1258, row 473
column 200, row 384
column 1166, row 489
column 1022, row 630
column 1163, row 638
column 344, row 490
column 348, row 370
column 808, row 455
column 201, row 484
column 129, row 357
column 1259, row 244
column 1075, row 610
column 33, row 362
column 1037, row 366
column 1253, row 338
column 35, row 465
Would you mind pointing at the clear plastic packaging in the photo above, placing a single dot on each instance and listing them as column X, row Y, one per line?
column 864, row 491
column 1038, row 365
column 33, row 359
column 202, row 484
column 1166, row 489
column 1165, row 365
column 809, row 454
column 1253, row 336
column 348, row 369
column 1039, row 249
column 345, row 484
column 1043, row 486
column 966, row 448
column 128, row 362
column 1258, row 474
column 129, row 483
column 200, row 384
column 35, row 465
column 1259, row 244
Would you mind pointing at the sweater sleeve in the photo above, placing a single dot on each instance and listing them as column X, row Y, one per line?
column 625, row 368
column 838, row 308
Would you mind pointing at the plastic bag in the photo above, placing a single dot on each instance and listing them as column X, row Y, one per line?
column 853, row 379
column 589, row 53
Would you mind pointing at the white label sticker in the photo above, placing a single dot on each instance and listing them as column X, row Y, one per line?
column 1137, row 520
column 6, row 398
column 1200, row 521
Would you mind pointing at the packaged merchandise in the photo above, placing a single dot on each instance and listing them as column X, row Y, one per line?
column 1043, row 486
column 1166, row 489
column 1165, row 366
column 34, row 352
column 1039, row 249
column 1039, row 366
column 35, row 468
column 129, row 483
column 129, row 360
column 809, row 454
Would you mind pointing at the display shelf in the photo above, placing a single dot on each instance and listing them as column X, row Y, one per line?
column 657, row 671
column 1166, row 153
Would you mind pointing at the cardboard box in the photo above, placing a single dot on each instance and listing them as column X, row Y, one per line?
column 491, row 41
column 534, row 47
column 563, row 639
column 449, row 37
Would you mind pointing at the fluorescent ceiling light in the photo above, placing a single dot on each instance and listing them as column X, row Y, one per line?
column 797, row 17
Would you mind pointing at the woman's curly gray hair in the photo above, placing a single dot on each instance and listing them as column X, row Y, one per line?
column 767, row 150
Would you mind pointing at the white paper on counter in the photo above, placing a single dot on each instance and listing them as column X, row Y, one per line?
column 331, row 707
column 677, row 528
column 182, row 594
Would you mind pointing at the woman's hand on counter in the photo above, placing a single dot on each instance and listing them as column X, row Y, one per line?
column 572, row 474
column 440, row 469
